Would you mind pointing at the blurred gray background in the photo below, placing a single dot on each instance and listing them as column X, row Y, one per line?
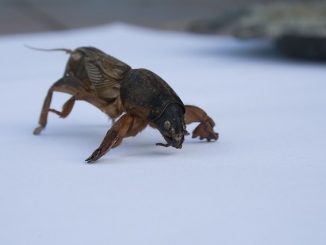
column 21, row 16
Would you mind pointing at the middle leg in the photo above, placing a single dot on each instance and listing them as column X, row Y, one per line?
column 126, row 126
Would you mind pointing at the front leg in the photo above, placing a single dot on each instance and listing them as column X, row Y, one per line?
column 206, row 124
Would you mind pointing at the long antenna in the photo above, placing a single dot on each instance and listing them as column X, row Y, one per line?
column 68, row 51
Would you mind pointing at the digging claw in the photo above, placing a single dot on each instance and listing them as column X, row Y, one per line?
column 205, row 131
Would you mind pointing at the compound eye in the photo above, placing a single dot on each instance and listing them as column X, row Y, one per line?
column 167, row 125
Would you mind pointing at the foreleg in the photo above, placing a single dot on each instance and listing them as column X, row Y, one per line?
column 206, row 124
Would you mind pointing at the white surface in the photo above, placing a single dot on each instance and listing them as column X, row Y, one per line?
column 263, row 182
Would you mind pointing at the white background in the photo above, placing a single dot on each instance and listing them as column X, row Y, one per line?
column 263, row 182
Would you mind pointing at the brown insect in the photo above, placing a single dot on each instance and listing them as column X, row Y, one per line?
column 132, row 98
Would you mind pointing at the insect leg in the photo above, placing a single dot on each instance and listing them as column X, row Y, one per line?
column 206, row 124
column 66, row 108
column 126, row 126
column 73, row 86
column 113, row 137
column 137, row 126
column 66, row 84
column 44, row 113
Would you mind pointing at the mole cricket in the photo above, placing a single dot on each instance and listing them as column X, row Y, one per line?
column 132, row 98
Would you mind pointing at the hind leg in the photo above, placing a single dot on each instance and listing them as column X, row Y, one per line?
column 73, row 86
column 70, row 85
column 65, row 84
column 66, row 108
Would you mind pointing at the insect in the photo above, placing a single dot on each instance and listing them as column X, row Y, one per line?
column 132, row 98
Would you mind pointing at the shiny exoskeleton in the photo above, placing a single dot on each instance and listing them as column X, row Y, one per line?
column 133, row 98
